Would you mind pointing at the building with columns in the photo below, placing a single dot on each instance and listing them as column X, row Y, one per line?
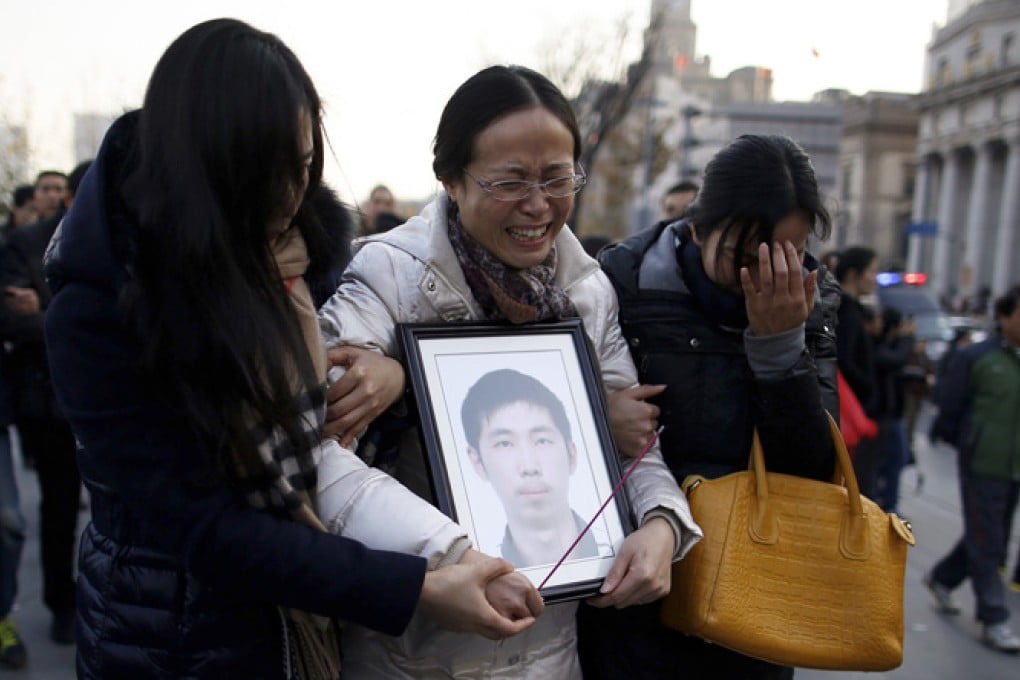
column 965, row 227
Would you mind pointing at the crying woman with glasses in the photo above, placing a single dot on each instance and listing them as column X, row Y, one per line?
column 493, row 245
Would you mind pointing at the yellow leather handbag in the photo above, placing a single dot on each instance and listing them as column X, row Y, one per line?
column 793, row 571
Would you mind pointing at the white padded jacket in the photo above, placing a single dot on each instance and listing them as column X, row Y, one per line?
column 411, row 274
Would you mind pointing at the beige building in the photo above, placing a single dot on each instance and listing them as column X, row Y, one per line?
column 876, row 174
column 681, row 117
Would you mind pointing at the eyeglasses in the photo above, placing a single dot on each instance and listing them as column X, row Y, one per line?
column 518, row 189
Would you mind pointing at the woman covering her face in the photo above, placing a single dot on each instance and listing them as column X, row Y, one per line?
column 187, row 358
column 729, row 318
column 493, row 246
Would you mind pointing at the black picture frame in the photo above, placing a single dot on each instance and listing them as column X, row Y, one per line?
column 443, row 361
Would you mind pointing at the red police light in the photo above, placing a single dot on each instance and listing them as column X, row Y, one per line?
column 915, row 279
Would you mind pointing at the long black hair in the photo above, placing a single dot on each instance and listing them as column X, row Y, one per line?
column 217, row 157
column 752, row 184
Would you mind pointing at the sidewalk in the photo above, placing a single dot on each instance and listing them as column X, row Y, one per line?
column 936, row 647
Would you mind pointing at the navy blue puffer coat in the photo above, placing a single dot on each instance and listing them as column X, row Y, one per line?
column 178, row 576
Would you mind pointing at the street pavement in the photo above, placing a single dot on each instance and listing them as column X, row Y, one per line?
column 936, row 646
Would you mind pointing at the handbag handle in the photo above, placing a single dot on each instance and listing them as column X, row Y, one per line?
column 763, row 524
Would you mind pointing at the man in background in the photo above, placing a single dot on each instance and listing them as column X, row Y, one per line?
column 45, row 434
column 977, row 414
column 22, row 209
column 676, row 200
column 379, row 213
column 50, row 193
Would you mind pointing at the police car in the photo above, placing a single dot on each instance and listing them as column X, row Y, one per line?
column 907, row 293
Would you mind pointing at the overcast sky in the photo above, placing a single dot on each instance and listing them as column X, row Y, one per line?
column 385, row 68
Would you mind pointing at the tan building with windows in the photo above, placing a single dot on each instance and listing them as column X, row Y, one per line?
column 876, row 174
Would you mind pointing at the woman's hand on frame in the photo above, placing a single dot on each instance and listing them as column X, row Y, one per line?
column 641, row 573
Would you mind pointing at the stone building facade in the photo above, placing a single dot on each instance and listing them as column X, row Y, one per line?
column 965, row 231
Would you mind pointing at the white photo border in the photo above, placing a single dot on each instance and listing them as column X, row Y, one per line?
column 443, row 359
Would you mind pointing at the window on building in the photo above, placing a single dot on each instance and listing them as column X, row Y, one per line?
column 909, row 175
column 972, row 63
column 1006, row 55
column 944, row 74
column 971, row 66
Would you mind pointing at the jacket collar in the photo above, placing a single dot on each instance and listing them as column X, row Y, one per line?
column 572, row 265
column 425, row 238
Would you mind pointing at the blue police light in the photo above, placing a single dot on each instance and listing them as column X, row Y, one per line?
column 888, row 278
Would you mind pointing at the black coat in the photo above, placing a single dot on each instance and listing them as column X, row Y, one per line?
column 711, row 405
column 26, row 367
column 178, row 577
column 856, row 354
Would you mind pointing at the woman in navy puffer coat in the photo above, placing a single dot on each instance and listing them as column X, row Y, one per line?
column 186, row 356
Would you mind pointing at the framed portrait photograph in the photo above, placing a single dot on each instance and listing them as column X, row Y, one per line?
column 514, row 425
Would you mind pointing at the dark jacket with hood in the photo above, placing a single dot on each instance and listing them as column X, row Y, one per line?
column 689, row 334
column 178, row 578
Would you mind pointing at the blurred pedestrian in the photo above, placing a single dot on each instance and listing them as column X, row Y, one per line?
column 893, row 347
column 917, row 378
column 676, row 199
column 379, row 213
column 962, row 338
column 22, row 210
column 856, row 271
column 594, row 243
column 1014, row 583
column 829, row 259
column 12, row 534
column 43, row 430
column 49, row 194
column 12, row 520
column 977, row 415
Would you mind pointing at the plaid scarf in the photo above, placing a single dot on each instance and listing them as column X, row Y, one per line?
column 286, row 478
column 517, row 295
